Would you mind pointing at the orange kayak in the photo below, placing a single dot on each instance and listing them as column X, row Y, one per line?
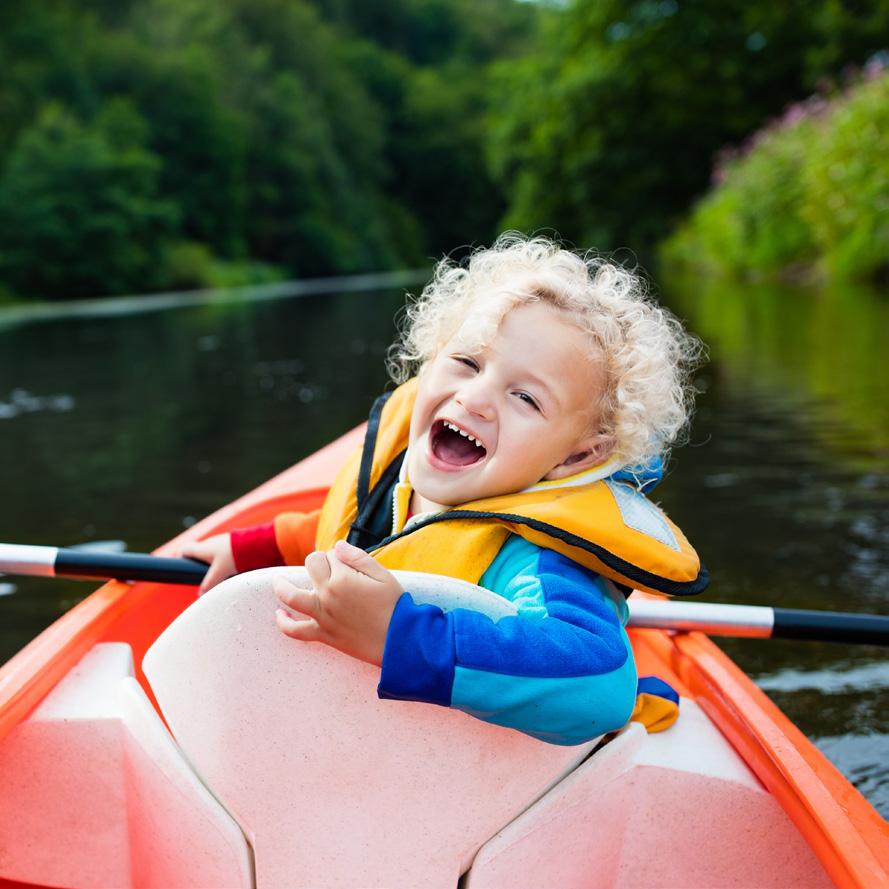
column 224, row 758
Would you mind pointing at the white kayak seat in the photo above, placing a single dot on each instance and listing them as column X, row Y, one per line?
column 179, row 834
column 94, row 768
column 333, row 786
column 678, row 808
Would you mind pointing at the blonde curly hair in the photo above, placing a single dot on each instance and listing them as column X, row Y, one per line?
column 649, row 357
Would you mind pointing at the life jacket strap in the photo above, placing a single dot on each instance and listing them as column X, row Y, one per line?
column 362, row 488
column 374, row 522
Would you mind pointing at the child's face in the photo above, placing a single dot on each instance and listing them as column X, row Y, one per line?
column 529, row 399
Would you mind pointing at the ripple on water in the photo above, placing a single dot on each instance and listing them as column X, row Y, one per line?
column 20, row 401
column 862, row 758
column 866, row 677
column 843, row 696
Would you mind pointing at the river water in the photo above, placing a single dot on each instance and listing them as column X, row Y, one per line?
column 128, row 426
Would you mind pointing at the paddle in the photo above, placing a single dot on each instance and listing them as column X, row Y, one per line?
column 755, row 621
column 52, row 561
column 761, row 621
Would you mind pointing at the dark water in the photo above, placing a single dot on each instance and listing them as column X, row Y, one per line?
column 785, row 490
column 128, row 428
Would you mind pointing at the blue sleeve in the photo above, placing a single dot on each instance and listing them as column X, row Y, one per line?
column 561, row 670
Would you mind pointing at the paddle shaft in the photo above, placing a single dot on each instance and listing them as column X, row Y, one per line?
column 755, row 621
column 761, row 622
column 52, row 561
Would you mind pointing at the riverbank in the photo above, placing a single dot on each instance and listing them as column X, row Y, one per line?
column 18, row 312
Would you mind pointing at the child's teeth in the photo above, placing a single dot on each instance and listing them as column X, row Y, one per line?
column 457, row 429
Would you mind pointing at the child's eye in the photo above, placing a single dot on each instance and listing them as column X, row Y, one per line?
column 529, row 399
column 465, row 359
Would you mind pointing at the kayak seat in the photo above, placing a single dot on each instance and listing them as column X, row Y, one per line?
column 94, row 768
column 333, row 786
column 674, row 809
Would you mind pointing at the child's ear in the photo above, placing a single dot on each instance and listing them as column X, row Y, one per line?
column 591, row 452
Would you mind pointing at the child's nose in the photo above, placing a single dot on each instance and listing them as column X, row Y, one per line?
column 475, row 398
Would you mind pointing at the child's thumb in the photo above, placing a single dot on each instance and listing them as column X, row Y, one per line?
column 357, row 558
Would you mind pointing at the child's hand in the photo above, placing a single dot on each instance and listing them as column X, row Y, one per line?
column 350, row 606
column 217, row 553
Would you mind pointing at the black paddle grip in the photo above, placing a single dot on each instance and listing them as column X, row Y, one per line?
column 831, row 626
column 129, row 566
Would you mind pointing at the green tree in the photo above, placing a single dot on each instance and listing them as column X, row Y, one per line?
column 42, row 51
column 80, row 213
column 609, row 129
column 316, row 167
column 174, row 62
column 302, row 137
column 434, row 33
column 438, row 150
column 425, row 64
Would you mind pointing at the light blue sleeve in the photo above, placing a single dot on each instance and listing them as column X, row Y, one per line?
column 561, row 670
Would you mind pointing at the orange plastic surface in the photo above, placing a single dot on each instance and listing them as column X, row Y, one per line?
column 845, row 832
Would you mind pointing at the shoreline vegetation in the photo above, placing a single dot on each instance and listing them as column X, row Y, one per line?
column 159, row 145
column 21, row 311
column 805, row 200
column 163, row 145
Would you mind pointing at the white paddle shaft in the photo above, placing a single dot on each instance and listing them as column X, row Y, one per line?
column 17, row 558
column 711, row 618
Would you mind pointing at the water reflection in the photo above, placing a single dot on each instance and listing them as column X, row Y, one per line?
column 171, row 415
column 818, row 352
column 862, row 758
column 842, row 678
column 785, row 491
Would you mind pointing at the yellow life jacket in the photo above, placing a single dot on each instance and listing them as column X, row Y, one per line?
column 602, row 524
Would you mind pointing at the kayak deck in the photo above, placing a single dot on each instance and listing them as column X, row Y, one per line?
column 623, row 793
column 433, row 793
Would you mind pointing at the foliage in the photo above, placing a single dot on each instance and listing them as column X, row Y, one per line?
column 846, row 185
column 316, row 137
column 809, row 194
column 192, row 265
column 607, row 130
column 268, row 137
column 72, row 192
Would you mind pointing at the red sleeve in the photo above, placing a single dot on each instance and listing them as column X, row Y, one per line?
column 286, row 540
column 255, row 547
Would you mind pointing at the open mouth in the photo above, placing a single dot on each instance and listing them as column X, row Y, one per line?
column 454, row 446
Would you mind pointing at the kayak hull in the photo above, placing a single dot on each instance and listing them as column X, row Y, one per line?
column 843, row 833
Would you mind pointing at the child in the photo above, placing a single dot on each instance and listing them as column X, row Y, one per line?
column 549, row 389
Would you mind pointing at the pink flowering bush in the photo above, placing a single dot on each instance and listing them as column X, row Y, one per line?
column 807, row 195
